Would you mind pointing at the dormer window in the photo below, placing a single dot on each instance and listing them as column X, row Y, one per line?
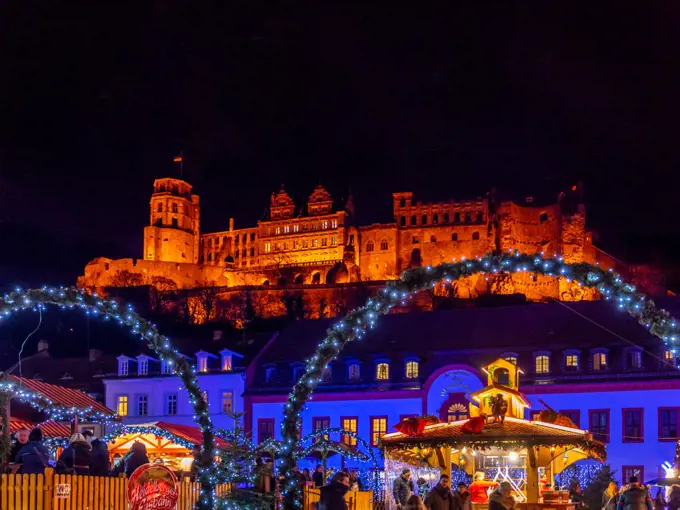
column 412, row 369
column 542, row 363
column 227, row 362
column 382, row 371
column 142, row 365
column 166, row 367
column 669, row 359
column 269, row 374
column 510, row 357
column 634, row 359
column 353, row 372
column 600, row 361
column 123, row 366
column 202, row 358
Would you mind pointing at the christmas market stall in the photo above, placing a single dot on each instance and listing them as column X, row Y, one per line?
column 169, row 443
column 496, row 445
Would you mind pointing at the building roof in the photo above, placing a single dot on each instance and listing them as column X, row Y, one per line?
column 187, row 433
column 59, row 395
column 50, row 428
column 501, row 388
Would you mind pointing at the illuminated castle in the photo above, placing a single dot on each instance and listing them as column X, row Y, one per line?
column 320, row 245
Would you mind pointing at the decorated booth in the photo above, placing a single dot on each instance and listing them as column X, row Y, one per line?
column 495, row 445
column 167, row 443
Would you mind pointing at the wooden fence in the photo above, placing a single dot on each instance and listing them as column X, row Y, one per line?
column 356, row 500
column 50, row 492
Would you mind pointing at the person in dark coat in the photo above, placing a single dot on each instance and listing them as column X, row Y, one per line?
column 635, row 497
column 333, row 494
column 307, row 475
column 33, row 456
column 20, row 439
column 501, row 498
column 462, row 497
column 76, row 457
column 441, row 497
column 317, row 476
column 402, row 488
column 135, row 457
column 100, row 465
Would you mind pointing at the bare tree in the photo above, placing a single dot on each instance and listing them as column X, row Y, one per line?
column 125, row 278
column 162, row 293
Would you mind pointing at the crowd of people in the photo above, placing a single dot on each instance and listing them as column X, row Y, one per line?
column 85, row 454
column 635, row 496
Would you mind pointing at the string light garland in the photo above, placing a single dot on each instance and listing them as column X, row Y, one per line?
column 359, row 321
column 317, row 440
column 93, row 305
column 149, row 429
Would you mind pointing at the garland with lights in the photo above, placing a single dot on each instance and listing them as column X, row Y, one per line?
column 95, row 306
column 149, row 429
column 317, row 440
column 357, row 322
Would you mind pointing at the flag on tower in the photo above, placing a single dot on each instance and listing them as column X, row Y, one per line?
column 178, row 159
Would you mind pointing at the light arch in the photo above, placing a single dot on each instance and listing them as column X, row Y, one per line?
column 359, row 321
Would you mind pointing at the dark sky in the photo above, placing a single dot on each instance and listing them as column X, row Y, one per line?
column 447, row 101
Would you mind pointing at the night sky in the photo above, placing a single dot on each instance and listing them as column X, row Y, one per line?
column 448, row 101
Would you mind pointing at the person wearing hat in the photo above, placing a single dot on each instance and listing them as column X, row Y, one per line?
column 100, row 464
column 501, row 498
column 76, row 457
column 402, row 488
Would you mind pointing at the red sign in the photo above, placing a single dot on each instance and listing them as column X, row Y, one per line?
column 152, row 487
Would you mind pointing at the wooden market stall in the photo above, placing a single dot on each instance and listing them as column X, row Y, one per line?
column 169, row 442
column 499, row 442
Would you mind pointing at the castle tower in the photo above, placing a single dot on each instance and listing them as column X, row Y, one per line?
column 174, row 227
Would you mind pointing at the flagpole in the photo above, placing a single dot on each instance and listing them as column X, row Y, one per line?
column 181, row 164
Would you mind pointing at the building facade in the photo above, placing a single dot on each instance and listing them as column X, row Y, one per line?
column 320, row 247
column 585, row 360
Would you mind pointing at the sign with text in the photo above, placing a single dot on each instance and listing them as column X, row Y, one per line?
column 62, row 490
column 152, row 487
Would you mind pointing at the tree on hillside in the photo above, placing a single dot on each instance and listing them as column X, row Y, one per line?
column 162, row 293
column 125, row 278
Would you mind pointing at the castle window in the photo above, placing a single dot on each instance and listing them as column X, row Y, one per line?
column 411, row 369
column 286, row 229
column 456, row 218
column 468, row 217
column 402, row 202
column 369, row 246
column 435, row 219
column 475, row 236
column 480, row 217
column 315, row 226
column 543, row 218
column 277, row 214
column 316, row 278
column 324, row 241
column 236, row 238
column 424, row 219
column 237, row 253
column 334, row 240
column 277, row 246
column 353, row 372
column 224, row 240
column 454, row 236
column 402, row 221
column 433, row 239
column 244, row 252
column 599, row 361
column 542, row 364
column 384, row 245
column 296, row 244
column 252, row 252
column 382, row 371
column 446, row 217
column 160, row 207
column 217, row 241
column 277, row 230
column 174, row 207
column 252, row 236
column 209, row 257
column 351, row 240
column 334, row 223
column 414, row 220
column 414, row 240
column 324, row 225
column 296, row 227
column 210, row 242
column 200, row 258
column 267, row 247
column 305, row 243
column 174, row 222
column 315, row 243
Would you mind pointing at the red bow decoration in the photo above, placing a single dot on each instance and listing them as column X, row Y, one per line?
column 415, row 426
column 474, row 425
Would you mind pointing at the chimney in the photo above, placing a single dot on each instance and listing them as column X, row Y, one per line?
column 95, row 354
column 43, row 346
column 231, row 224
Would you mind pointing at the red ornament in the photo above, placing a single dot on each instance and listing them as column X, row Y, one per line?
column 415, row 426
column 474, row 425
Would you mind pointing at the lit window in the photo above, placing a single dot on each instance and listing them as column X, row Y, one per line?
column 172, row 405
column 571, row 362
column 226, row 362
column 174, row 208
column 369, row 246
column 457, row 412
column 334, row 223
column 353, row 372
column 324, row 224
column 320, row 424
column 382, row 371
column 411, row 369
column 143, row 367
column 542, row 364
column 383, row 244
column 205, row 398
column 305, row 243
column 203, row 364
column 296, row 227
column 123, row 367
column 599, row 361
column 267, row 247
column 166, row 367
column 286, row 229
column 227, row 401
column 122, row 407
column 350, row 425
column 324, row 241
column 378, row 429
column 669, row 359
column 277, row 230
column 315, row 226
column 511, row 359
column 315, row 243
column 142, row 405
column 334, row 241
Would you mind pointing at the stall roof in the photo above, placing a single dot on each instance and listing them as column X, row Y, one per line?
column 186, row 432
column 50, row 428
column 62, row 396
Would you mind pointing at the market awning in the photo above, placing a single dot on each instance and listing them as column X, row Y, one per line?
column 50, row 428
column 173, row 436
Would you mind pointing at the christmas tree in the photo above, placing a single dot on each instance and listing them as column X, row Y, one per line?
column 593, row 491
